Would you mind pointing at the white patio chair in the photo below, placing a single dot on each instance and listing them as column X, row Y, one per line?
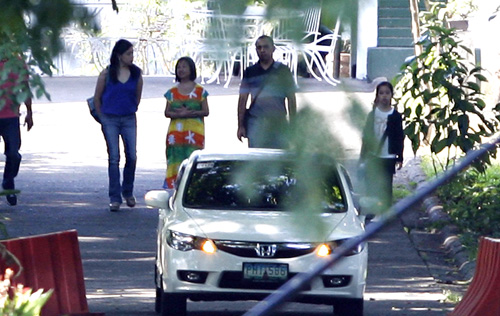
column 285, row 28
column 290, row 30
column 312, row 17
column 313, row 58
column 208, row 45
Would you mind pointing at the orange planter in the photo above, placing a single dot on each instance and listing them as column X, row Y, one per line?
column 52, row 261
column 483, row 295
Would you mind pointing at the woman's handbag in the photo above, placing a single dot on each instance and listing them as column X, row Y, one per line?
column 91, row 103
column 93, row 111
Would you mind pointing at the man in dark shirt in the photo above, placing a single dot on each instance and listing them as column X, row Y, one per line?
column 270, row 84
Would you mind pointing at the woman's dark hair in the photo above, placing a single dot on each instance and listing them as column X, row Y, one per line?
column 192, row 68
column 120, row 48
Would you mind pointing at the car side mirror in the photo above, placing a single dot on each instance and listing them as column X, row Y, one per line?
column 158, row 198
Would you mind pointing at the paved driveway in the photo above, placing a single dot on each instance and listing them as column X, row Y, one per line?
column 63, row 179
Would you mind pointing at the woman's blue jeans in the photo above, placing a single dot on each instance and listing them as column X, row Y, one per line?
column 114, row 126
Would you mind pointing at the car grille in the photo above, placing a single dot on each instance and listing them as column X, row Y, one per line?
column 234, row 280
column 253, row 249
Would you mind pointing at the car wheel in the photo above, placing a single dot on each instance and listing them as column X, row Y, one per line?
column 173, row 305
column 159, row 292
column 353, row 307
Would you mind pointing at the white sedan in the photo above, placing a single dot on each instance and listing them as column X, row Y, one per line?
column 239, row 225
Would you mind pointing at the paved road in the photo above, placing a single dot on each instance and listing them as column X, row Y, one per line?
column 63, row 179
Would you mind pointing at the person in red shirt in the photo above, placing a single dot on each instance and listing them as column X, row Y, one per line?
column 9, row 126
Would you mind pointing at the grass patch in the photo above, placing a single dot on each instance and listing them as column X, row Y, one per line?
column 472, row 200
column 400, row 191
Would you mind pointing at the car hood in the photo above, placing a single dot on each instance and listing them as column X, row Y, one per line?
column 266, row 226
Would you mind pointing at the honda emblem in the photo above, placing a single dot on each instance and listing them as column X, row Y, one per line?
column 265, row 250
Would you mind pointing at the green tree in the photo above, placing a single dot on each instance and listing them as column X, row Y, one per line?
column 441, row 94
column 30, row 36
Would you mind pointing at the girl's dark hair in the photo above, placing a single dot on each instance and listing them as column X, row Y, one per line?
column 121, row 47
column 380, row 85
column 192, row 68
column 385, row 84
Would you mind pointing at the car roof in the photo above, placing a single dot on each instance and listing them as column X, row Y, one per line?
column 241, row 154
column 253, row 154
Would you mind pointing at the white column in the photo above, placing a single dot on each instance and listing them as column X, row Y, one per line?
column 367, row 34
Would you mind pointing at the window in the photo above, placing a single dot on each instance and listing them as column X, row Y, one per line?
column 261, row 184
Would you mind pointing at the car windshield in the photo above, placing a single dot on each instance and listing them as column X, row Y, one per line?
column 259, row 185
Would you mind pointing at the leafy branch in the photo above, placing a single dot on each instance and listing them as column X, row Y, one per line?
column 440, row 90
column 30, row 36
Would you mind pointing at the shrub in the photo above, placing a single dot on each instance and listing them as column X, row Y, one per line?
column 472, row 200
column 440, row 90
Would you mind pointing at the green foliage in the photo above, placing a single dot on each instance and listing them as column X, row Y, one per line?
column 30, row 35
column 441, row 94
column 461, row 9
column 453, row 297
column 400, row 192
column 472, row 200
column 20, row 301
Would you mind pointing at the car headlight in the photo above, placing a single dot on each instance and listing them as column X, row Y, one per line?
column 326, row 249
column 185, row 242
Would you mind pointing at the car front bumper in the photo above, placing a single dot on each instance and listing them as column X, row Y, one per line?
column 220, row 277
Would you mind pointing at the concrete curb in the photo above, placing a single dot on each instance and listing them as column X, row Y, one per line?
column 448, row 232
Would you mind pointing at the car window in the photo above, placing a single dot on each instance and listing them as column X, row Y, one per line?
column 258, row 185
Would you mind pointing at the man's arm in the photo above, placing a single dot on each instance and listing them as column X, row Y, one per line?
column 242, row 106
column 29, row 114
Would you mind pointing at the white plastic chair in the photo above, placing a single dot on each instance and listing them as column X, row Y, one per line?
column 313, row 58
column 284, row 32
column 208, row 45
column 312, row 17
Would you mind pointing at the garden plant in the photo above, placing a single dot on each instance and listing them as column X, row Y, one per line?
column 444, row 108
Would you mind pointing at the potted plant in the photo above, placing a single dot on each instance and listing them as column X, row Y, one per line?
column 459, row 12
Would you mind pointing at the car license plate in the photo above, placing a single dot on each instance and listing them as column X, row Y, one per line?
column 265, row 272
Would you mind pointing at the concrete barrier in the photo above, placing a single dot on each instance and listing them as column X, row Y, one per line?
column 52, row 261
column 483, row 295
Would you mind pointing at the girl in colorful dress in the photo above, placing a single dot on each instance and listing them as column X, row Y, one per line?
column 186, row 107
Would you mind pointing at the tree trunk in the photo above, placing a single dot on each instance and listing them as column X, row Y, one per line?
column 415, row 26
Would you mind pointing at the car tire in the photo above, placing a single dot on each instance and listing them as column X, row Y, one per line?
column 173, row 305
column 159, row 292
column 351, row 307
